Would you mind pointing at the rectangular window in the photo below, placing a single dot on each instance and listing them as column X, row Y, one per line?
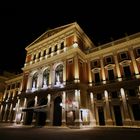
column 114, row 94
column 108, row 60
column 8, row 87
column 70, row 61
column 99, row 96
column 136, row 111
column 138, row 51
column 62, row 45
column 55, row 48
column 132, row 92
column 127, row 71
column 95, row 63
column 110, row 74
column 44, row 53
column 13, row 86
column 17, row 85
column 97, row 77
column 50, row 50
column 123, row 55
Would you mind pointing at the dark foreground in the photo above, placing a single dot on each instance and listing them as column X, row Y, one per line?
column 33, row 133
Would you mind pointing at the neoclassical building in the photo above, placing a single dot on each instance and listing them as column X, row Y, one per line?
column 68, row 81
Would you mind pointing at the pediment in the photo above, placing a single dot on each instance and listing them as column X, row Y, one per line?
column 50, row 33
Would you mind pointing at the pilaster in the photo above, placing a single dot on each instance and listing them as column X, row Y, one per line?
column 48, row 119
column 127, row 120
column 117, row 67
column 108, row 113
column 134, row 63
column 102, row 70
column 92, row 110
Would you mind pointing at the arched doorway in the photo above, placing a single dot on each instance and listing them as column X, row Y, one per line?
column 57, row 114
column 41, row 113
column 29, row 113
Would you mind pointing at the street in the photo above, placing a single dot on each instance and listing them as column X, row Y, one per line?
column 58, row 133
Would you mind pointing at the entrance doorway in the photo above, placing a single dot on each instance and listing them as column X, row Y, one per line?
column 136, row 111
column 29, row 113
column 118, row 116
column 57, row 114
column 101, row 116
column 42, row 113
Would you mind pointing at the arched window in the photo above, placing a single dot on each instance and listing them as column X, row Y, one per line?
column 46, row 77
column 34, row 80
column 59, row 74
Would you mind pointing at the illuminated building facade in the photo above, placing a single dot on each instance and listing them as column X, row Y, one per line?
column 67, row 81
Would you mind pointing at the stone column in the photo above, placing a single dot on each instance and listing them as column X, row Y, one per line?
column 41, row 57
column 64, row 73
column 34, row 115
column 63, row 108
column 51, row 76
column 58, row 48
column 48, row 120
column 127, row 120
column 31, row 61
column 18, row 112
column 5, row 113
column 90, row 77
column 24, row 113
column 1, row 112
column 29, row 83
column 76, row 69
column 108, row 110
column 117, row 67
column 102, row 70
column 10, row 111
column 134, row 64
column 92, row 110
column 78, row 121
column 65, row 45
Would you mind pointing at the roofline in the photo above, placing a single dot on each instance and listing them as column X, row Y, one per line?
column 72, row 25
column 49, row 31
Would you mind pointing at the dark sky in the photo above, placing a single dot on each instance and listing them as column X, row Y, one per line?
column 21, row 23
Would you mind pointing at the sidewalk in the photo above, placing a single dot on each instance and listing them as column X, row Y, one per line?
column 59, row 127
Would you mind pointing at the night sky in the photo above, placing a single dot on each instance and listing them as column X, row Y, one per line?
column 21, row 23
